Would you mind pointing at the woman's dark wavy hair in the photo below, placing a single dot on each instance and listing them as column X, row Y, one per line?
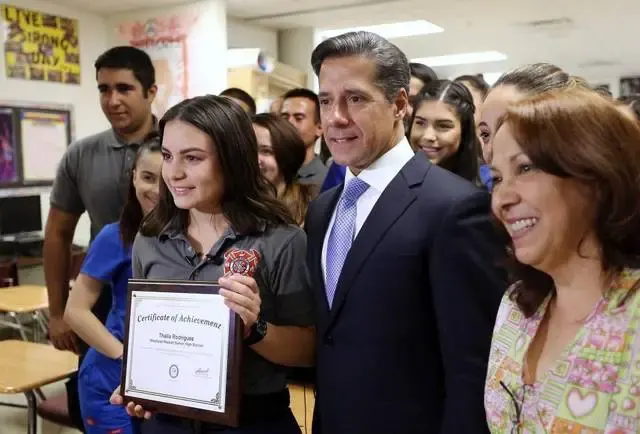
column 464, row 162
column 132, row 214
column 289, row 152
column 578, row 134
column 248, row 200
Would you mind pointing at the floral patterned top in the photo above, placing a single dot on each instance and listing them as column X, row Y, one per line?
column 594, row 386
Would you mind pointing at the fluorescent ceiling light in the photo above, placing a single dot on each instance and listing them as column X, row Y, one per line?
column 462, row 59
column 389, row 31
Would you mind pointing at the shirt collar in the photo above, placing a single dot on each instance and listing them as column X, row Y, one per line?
column 382, row 171
column 173, row 233
column 118, row 141
column 311, row 168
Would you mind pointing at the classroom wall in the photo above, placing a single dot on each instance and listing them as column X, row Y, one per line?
column 96, row 35
column 295, row 47
column 84, row 97
column 204, row 26
column 241, row 34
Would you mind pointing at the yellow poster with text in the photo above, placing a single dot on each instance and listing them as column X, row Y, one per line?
column 39, row 46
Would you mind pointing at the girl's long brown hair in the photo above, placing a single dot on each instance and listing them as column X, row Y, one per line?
column 289, row 152
column 248, row 201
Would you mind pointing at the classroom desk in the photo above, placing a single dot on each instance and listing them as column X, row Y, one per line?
column 21, row 299
column 25, row 367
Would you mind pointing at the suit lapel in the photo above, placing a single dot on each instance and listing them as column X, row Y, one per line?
column 393, row 202
column 325, row 205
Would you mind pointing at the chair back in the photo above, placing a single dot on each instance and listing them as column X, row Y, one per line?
column 8, row 273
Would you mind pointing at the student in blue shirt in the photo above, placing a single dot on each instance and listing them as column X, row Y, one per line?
column 108, row 261
column 485, row 176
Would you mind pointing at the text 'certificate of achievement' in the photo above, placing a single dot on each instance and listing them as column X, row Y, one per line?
column 182, row 351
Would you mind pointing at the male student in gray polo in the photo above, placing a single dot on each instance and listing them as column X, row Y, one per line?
column 93, row 176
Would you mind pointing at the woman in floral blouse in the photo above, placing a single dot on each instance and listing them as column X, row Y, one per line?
column 565, row 356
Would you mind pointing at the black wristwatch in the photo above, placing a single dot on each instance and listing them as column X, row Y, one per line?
column 257, row 332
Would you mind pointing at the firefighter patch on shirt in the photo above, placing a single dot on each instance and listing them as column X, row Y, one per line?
column 237, row 261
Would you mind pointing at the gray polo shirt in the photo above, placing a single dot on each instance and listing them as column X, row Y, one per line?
column 281, row 275
column 93, row 176
column 313, row 172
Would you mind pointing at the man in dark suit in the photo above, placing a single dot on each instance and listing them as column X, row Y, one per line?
column 403, row 259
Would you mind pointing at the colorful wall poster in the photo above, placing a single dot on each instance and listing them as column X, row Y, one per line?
column 165, row 40
column 40, row 47
column 169, row 59
column 8, row 159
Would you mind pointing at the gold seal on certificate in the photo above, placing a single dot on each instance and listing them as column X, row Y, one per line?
column 182, row 351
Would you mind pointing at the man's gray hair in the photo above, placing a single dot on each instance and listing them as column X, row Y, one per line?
column 392, row 66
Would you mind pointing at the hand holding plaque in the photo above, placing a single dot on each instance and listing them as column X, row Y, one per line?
column 242, row 296
column 182, row 351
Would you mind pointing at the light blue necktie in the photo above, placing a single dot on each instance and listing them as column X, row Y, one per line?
column 342, row 233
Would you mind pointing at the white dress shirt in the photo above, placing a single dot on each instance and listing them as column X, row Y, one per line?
column 379, row 175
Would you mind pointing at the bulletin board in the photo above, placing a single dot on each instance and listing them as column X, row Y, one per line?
column 39, row 46
column 33, row 140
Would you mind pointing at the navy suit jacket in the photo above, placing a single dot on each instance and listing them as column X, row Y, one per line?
column 404, row 348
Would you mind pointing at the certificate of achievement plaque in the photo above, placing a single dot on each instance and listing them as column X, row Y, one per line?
column 182, row 351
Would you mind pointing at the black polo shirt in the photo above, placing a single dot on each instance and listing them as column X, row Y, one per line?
column 281, row 275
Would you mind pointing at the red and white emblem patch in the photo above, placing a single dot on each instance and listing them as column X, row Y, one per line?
column 237, row 261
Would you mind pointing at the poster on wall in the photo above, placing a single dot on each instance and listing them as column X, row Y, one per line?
column 45, row 137
column 39, row 46
column 8, row 146
column 169, row 61
column 165, row 40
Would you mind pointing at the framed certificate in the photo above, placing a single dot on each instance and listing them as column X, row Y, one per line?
column 182, row 351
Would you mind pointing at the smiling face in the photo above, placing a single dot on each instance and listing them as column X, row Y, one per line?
column 547, row 217
column 436, row 130
column 146, row 179
column 359, row 123
column 123, row 100
column 191, row 168
column 266, row 157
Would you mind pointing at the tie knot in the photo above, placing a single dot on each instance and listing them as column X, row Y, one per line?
column 353, row 190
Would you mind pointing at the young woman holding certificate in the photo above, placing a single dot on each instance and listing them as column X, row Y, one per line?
column 216, row 211
column 109, row 261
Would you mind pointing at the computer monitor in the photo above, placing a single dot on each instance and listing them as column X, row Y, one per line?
column 20, row 214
